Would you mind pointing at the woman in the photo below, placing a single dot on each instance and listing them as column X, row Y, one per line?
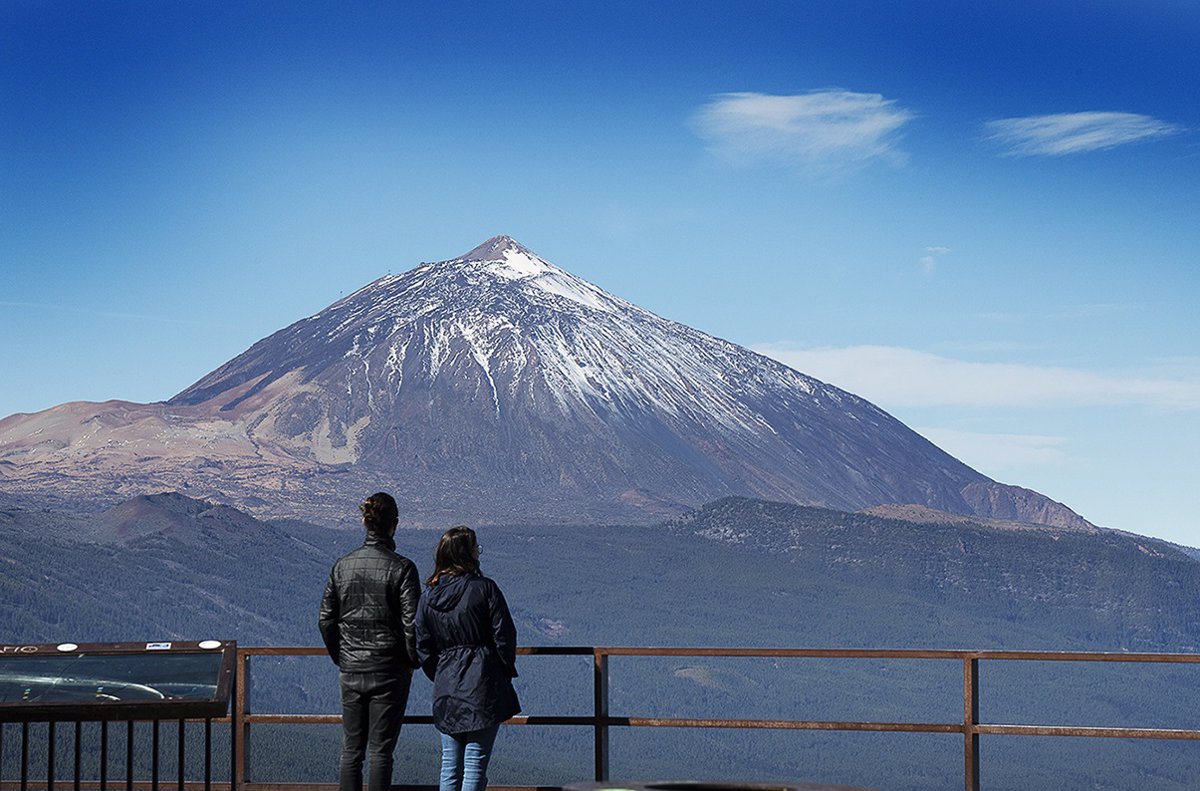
column 467, row 645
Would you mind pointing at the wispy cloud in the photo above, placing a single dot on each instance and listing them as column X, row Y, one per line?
column 825, row 130
column 898, row 377
column 929, row 261
column 996, row 451
column 1075, row 133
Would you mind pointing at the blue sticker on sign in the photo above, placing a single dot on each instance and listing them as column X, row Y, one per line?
column 158, row 646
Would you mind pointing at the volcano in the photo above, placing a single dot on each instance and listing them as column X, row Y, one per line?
column 496, row 387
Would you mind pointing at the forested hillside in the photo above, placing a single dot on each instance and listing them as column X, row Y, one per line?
column 737, row 573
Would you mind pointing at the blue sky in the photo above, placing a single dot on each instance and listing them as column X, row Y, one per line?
column 980, row 216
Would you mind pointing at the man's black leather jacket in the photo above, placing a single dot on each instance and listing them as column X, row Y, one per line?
column 369, row 609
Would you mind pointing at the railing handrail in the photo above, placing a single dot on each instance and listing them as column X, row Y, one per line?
column 802, row 653
column 600, row 720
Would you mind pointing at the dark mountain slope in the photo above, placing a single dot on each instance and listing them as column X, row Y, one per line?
column 155, row 568
column 1094, row 587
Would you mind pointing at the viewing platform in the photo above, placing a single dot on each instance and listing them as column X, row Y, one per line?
column 33, row 756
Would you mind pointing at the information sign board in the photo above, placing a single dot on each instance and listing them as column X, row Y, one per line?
column 116, row 681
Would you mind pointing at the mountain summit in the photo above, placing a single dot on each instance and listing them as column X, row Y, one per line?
column 498, row 387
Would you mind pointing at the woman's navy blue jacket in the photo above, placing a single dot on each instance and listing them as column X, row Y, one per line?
column 467, row 645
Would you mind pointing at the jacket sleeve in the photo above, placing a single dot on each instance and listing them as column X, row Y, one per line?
column 504, row 632
column 427, row 651
column 405, row 595
column 327, row 620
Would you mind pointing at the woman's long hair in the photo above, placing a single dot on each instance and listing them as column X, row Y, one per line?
column 457, row 554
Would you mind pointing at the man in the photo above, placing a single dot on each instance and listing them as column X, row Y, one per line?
column 367, row 621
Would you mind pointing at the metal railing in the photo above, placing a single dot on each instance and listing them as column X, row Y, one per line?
column 602, row 720
column 106, row 728
column 125, row 776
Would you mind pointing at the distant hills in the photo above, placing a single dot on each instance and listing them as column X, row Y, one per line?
column 738, row 572
column 1099, row 588
column 166, row 565
column 162, row 564
column 498, row 387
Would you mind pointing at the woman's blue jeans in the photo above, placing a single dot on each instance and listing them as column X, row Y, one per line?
column 465, row 759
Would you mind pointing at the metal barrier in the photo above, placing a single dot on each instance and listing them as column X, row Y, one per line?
column 109, row 686
column 601, row 720
column 104, row 778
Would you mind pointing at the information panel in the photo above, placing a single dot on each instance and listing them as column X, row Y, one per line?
column 116, row 681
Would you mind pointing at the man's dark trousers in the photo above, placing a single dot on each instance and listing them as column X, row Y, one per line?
column 372, row 710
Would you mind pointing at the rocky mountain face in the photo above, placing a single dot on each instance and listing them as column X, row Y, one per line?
column 497, row 387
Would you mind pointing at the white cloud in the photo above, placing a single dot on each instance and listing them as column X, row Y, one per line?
column 897, row 377
column 1073, row 133
column 929, row 261
column 996, row 452
column 820, row 130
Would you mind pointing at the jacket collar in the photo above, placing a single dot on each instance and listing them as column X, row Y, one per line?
column 378, row 540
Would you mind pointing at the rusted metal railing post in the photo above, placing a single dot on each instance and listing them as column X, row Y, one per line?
column 600, row 687
column 239, row 725
column 970, row 723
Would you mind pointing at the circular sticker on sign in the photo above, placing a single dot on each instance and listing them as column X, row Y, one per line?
column 67, row 647
column 210, row 643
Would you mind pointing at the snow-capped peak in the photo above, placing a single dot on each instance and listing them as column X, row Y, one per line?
column 507, row 258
